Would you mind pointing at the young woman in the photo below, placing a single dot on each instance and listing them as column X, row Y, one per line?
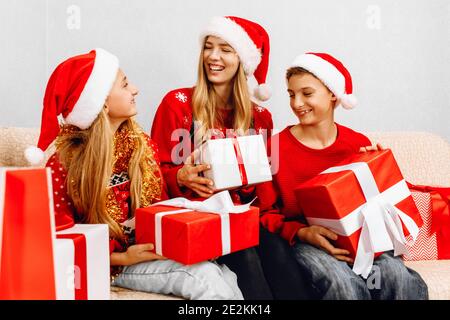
column 220, row 105
column 105, row 167
column 317, row 84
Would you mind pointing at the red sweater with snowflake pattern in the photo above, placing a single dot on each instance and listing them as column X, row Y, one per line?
column 172, row 131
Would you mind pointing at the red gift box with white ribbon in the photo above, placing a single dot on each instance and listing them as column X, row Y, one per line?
column 193, row 231
column 366, row 201
column 81, row 255
column 236, row 162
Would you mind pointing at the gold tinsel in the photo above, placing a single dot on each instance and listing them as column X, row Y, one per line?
column 125, row 142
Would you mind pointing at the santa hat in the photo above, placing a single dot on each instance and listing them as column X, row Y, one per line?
column 251, row 43
column 332, row 73
column 77, row 90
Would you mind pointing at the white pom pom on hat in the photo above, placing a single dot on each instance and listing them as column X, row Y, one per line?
column 77, row 90
column 34, row 155
column 332, row 73
column 262, row 92
column 348, row 101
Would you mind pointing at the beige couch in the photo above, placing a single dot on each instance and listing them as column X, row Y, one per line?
column 423, row 157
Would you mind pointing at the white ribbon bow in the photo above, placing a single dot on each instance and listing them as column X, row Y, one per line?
column 220, row 204
column 380, row 220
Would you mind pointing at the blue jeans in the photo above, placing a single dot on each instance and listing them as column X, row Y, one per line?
column 281, row 270
column 201, row 281
column 389, row 279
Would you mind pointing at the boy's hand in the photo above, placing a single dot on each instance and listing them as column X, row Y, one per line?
column 377, row 147
column 317, row 236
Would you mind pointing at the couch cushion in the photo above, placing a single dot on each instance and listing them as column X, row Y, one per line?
column 118, row 293
column 436, row 274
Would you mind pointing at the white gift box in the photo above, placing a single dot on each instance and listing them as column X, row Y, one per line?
column 71, row 279
column 236, row 162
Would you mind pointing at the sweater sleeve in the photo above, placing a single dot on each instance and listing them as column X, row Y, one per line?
column 61, row 201
column 153, row 145
column 263, row 122
column 173, row 140
column 271, row 217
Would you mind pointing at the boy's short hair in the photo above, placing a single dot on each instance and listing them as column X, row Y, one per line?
column 292, row 71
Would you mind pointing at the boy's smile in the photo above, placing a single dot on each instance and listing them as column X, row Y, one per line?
column 310, row 99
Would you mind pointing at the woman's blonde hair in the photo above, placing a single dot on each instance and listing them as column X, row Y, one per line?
column 204, row 102
column 88, row 156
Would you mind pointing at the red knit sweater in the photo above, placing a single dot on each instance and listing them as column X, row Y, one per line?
column 296, row 164
column 171, row 131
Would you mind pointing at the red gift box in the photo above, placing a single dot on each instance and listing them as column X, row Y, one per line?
column 433, row 240
column 26, row 226
column 191, row 236
column 366, row 201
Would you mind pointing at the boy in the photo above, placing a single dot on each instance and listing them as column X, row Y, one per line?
column 317, row 84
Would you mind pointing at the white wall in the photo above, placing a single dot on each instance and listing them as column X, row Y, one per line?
column 397, row 51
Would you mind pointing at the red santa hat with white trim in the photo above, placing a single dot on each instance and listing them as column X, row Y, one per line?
column 251, row 43
column 332, row 73
column 77, row 90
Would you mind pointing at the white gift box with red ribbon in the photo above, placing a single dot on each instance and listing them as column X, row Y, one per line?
column 236, row 162
column 81, row 257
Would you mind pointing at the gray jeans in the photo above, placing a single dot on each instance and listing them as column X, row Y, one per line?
column 389, row 279
column 201, row 281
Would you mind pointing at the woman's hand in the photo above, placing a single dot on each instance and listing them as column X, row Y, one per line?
column 135, row 253
column 188, row 177
column 377, row 147
column 317, row 236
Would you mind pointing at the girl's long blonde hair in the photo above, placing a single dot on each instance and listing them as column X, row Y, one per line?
column 88, row 157
column 204, row 102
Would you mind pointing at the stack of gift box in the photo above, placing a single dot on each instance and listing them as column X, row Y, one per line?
column 41, row 260
column 367, row 202
column 194, row 231
column 71, row 261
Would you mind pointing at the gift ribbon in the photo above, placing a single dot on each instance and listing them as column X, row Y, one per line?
column 80, row 278
column 380, row 221
column 220, row 204
column 440, row 220
column 240, row 160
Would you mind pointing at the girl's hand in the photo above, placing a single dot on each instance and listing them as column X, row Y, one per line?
column 378, row 147
column 141, row 252
column 317, row 236
column 188, row 177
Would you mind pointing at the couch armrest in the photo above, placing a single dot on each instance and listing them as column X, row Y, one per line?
column 13, row 142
